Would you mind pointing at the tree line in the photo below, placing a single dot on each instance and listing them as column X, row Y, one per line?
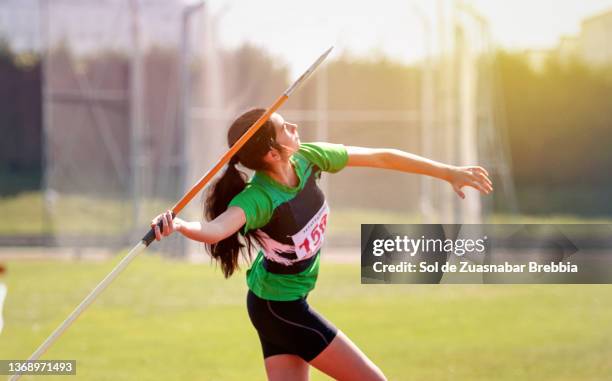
column 558, row 118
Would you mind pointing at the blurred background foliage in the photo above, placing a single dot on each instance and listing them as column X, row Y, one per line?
column 558, row 116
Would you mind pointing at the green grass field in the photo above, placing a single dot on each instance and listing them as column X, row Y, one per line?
column 172, row 320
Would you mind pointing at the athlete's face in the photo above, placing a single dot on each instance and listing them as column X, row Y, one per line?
column 286, row 133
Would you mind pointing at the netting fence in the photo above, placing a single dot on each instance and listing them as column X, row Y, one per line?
column 138, row 96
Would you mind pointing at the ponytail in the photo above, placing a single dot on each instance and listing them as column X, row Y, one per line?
column 232, row 182
column 226, row 251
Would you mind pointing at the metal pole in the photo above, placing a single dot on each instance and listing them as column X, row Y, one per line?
column 136, row 118
column 471, row 112
column 45, row 32
column 447, row 103
column 453, row 132
column 427, row 110
column 184, row 114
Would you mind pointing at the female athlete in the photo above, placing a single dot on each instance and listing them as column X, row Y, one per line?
column 282, row 211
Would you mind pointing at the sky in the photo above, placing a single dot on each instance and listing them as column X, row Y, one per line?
column 537, row 23
column 296, row 32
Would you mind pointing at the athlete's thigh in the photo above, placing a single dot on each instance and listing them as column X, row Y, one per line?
column 286, row 367
column 343, row 361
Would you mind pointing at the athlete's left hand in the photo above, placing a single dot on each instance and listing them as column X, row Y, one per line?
column 471, row 176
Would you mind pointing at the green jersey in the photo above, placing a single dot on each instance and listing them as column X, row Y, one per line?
column 290, row 223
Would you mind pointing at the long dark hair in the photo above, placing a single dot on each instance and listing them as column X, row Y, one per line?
column 233, row 181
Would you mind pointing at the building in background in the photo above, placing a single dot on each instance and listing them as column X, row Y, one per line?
column 590, row 46
column 595, row 46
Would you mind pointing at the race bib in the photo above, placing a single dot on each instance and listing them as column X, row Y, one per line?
column 309, row 240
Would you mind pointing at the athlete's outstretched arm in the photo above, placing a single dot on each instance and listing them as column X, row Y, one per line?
column 226, row 224
column 387, row 158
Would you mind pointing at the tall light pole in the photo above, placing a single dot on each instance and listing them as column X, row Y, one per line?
column 472, row 96
column 427, row 110
column 184, row 114
column 136, row 118
column 447, row 103
column 499, row 161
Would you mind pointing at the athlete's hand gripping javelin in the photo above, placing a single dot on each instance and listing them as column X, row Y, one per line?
column 169, row 225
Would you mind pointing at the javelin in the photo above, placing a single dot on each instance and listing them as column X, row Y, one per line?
column 150, row 236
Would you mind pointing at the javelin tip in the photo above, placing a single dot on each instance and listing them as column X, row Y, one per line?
column 309, row 71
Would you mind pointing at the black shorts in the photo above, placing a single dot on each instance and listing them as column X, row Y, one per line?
column 289, row 327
